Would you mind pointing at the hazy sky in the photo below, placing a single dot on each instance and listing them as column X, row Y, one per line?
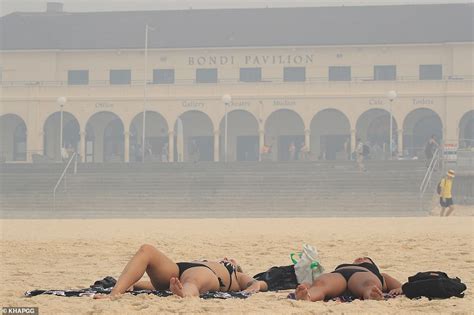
column 8, row 6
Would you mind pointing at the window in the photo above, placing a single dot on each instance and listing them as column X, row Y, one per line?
column 431, row 72
column 382, row 73
column 339, row 73
column 294, row 74
column 250, row 74
column 163, row 76
column 120, row 76
column 206, row 75
column 78, row 77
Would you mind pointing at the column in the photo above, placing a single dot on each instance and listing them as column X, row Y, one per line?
column 126, row 141
column 261, row 143
column 400, row 142
column 353, row 141
column 82, row 146
column 307, row 138
column 171, row 146
column 216, row 146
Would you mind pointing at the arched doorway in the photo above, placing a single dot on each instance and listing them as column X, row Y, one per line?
column 156, row 137
column 194, row 137
column 104, row 138
column 52, row 130
column 418, row 127
column 466, row 130
column 373, row 129
column 13, row 138
column 330, row 135
column 284, row 129
column 242, row 137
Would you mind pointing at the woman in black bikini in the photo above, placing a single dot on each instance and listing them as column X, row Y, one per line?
column 185, row 279
column 362, row 278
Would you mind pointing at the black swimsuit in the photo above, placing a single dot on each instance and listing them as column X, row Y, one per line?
column 183, row 266
column 347, row 273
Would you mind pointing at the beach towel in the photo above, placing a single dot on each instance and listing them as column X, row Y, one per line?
column 105, row 285
column 345, row 298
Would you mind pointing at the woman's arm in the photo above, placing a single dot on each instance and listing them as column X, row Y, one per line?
column 392, row 285
column 249, row 284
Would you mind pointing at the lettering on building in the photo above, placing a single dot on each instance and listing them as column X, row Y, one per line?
column 251, row 60
column 423, row 101
column 240, row 104
column 284, row 102
column 376, row 101
column 103, row 105
column 193, row 104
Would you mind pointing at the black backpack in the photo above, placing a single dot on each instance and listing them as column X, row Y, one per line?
column 279, row 278
column 438, row 188
column 433, row 285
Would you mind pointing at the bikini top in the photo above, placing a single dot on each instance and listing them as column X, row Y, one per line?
column 371, row 267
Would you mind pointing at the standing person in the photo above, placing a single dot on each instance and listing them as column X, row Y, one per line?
column 445, row 194
column 304, row 152
column 360, row 155
column 430, row 149
column 164, row 152
column 292, row 151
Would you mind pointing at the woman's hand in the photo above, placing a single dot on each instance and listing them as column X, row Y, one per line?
column 397, row 291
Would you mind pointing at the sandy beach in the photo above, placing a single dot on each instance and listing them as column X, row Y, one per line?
column 67, row 254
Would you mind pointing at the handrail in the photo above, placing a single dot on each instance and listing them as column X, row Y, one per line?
column 428, row 174
column 73, row 156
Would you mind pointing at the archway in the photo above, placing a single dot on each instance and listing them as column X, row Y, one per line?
column 466, row 130
column 242, row 136
column 418, row 127
column 284, row 129
column 51, row 129
column 104, row 138
column 156, row 137
column 13, row 138
column 194, row 137
column 373, row 129
column 330, row 135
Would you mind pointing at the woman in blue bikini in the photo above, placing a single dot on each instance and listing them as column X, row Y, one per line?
column 185, row 279
column 362, row 278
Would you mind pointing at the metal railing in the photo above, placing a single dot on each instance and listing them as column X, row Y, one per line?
column 434, row 164
column 63, row 174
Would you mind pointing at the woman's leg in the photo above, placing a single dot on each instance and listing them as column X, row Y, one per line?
column 159, row 268
column 325, row 286
column 194, row 281
column 365, row 285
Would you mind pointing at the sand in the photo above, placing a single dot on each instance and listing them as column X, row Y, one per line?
column 55, row 254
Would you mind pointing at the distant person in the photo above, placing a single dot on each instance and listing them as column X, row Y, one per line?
column 184, row 279
column 64, row 154
column 359, row 152
column 266, row 152
column 164, row 153
column 362, row 279
column 445, row 194
column 304, row 152
column 292, row 151
column 347, row 149
column 430, row 149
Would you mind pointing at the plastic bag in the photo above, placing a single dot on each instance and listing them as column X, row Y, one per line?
column 308, row 266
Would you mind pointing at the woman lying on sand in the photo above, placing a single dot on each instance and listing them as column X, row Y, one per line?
column 184, row 279
column 362, row 278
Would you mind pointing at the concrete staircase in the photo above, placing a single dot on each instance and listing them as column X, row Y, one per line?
column 241, row 189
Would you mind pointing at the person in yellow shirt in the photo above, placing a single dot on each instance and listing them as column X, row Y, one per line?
column 445, row 196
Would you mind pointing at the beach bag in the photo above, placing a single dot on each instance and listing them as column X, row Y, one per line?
column 433, row 285
column 307, row 265
column 279, row 278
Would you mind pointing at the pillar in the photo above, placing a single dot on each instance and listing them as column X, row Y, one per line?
column 353, row 140
column 261, row 143
column 307, row 137
column 82, row 146
column 216, row 146
column 126, row 141
column 400, row 142
column 171, row 146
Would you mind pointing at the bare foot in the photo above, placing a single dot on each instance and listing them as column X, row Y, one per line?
column 373, row 293
column 301, row 292
column 176, row 287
